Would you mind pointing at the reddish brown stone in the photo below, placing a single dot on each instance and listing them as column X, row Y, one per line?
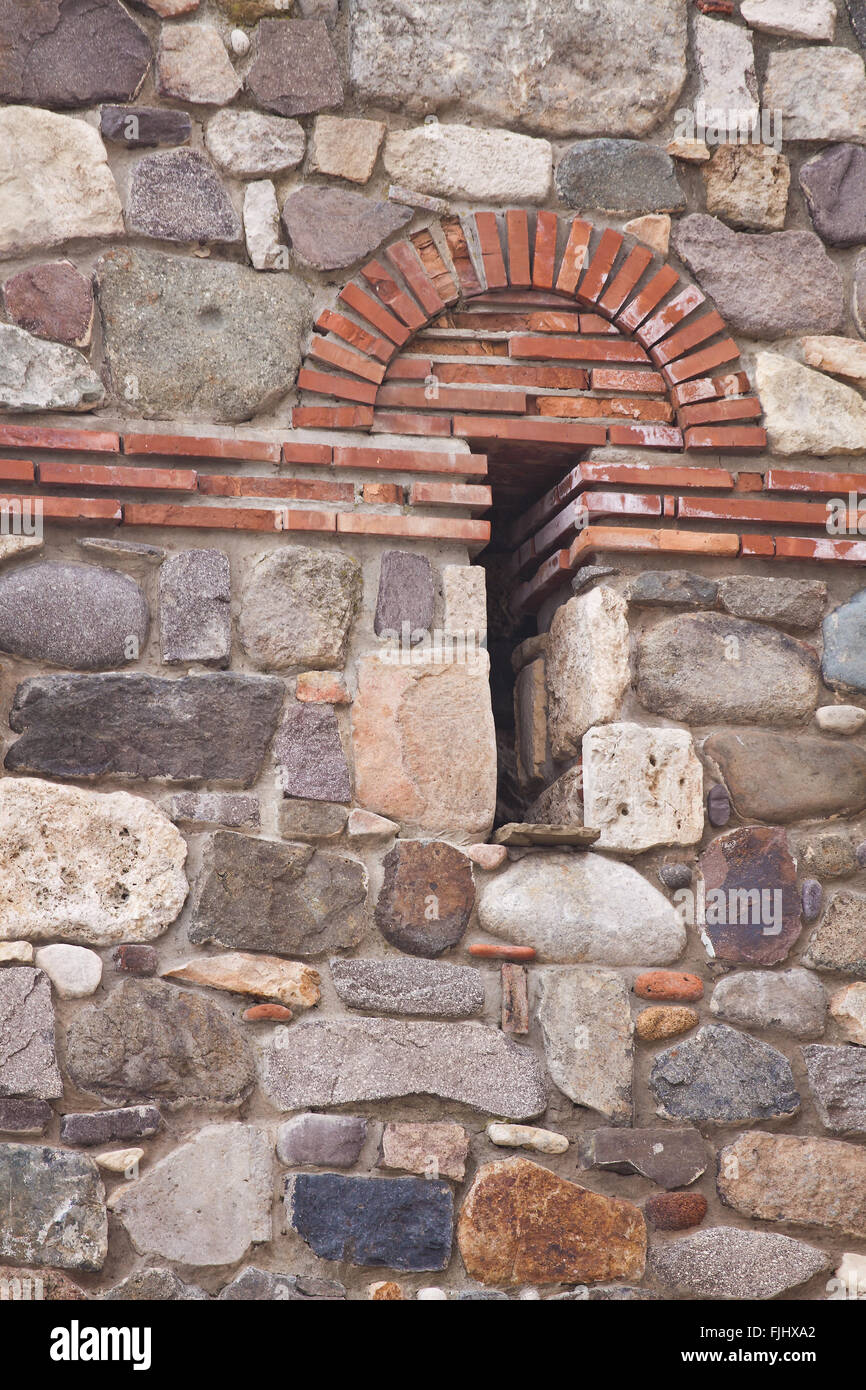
column 53, row 300
column 675, row 1211
column 485, row 950
column 426, row 898
column 668, row 984
column 515, row 999
column 295, row 70
column 268, row 1013
column 753, row 909
column 136, row 960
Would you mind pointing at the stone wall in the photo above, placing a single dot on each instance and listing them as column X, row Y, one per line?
column 279, row 991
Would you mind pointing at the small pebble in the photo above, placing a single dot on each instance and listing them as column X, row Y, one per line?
column 812, row 895
column 488, row 856
column 385, row 1291
column 267, row 1013
column 675, row 1211
column 121, row 1160
column 431, row 1295
column 485, row 951
column 669, row 984
column 840, row 719
column 664, row 1022
column 544, row 1141
column 136, row 960
column 860, row 853
column 74, row 971
column 718, row 805
column 240, row 42
column 676, row 875
column 15, row 953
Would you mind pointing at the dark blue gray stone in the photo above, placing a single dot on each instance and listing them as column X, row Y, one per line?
column 138, row 126
column 844, row 662
column 723, row 1076
column 619, row 176
column 675, row 875
column 402, row 1223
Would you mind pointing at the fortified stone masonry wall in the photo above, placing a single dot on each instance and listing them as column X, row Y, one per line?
column 276, row 1000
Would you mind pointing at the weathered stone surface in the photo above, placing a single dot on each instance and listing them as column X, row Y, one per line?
column 840, row 356
column 816, row 778
column 139, row 127
column 797, row 603
column 52, row 300
column 642, row 787
column 136, row 960
column 366, row 828
column 197, row 728
column 341, row 1061
column 725, row 1262
column 765, row 286
column 298, row 608
column 675, row 876
column 262, row 895
column 392, row 986
column 843, row 664
column 37, row 375
column 91, row 867
column 806, row 412
column 74, row 971
column 194, row 607
column 48, row 1286
column 587, row 666
column 262, row 1285
column 654, row 230
column 295, row 69
column 857, row 15
column 718, row 806
column 792, row 1000
column 543, row 1141
column 149, row 1040
column 665, row 1021
column 331, row 228
column 677, row 588
column 311, row 821
column 464, row 594
column 110, row 1126
column 53, row 1209
column 406, row 723
column 195, row 337
column 405, row 596
column 521, row 1224
column 752, row 904
column 839, row 941
column 79, row 616
column 669, row 1157
column 460, row 161
column 837, row 1080
column 834, row 184
column 232, row 810
column 177, row 195
column 848, row 1008
column 561, row 803
column 192, row 65
column 433, row 1150
column 820, row 92
column 404, row 1223
column 814, row 1182
column 309, row 755
column 426, row 898
column 164, row 1214
column 28, row 1063
column 619, row 177
column 792, row 19
column 123, row 550
column 12, row 547
column 262, row 227
column 859, row 295
column 554, row 77
column 721, row 1076
column 248, row 144
column 346, row 148
column 329, row 1141
column 23, row 1116
column 725, row 58
column 831, row 854
column 582, row 908
column 154, row 1286
column 266, row 977
column 530, row 724
column 586, row 1023
column 747, row 186
column 120, row 1161
column 323, row 687
column 706, row 668
column 675, row 1211
column 71, row 52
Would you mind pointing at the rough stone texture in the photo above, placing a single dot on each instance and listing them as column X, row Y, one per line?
column 154, row 1285
column 295, row 70
column 806, row 412
column 248, row 144
column 464, row 594
column 768, row 286
column 813, row 1182
column 310, row 821
column 177, row 195
column 619, row 177
column 582, row 908
column 328, row 1141
column 232, row 810
column 817, row 777
column 298, row 608
column 427, row 896
column 262, row 227
column 839, row 941
column 332, row 228
column 197, row 728
column 110, row 1126
column 828, row 855
column 54, row 1208
column 23, row 1116
column 677, row 588
column 725, row 58
column 555, row 73
column 752, row 913
column 586, row 1022
column 151, row 1041
column 834, row 183
column 193, row 65
column 747, row 186
column 71, row 52
column 848, row 1008
column 837, row 1080
column 90, row 867
column 406, row 594
column 530, row 724
column 521, row 1224
column 12, row 547
column 136, row 960
column 725, row 1262
column 260, row 1285
column 346, row 148
column 163, row 1211
column 186, row 336
column 74, row 971
column 797, row 603
column 792, row 1000
column 543, row 1141
column 843, row 666
column 665, row 1021
column 675, row 1211
column 346, row 1060
column 840, row 356
column 392, row 986
column 857, row 15
column 36, row 375
column 706, row 668
column 265, row 977
column 79, row 616
column 433, row 1150
column 52, row 300
column 406, row 723
column 821, row 93
column 194, row 607
column 642, row 787
column 48, row 1287
column 561, row 803
column 139, row 127
column 404, row 1223
column 587, row 667
column 669, row 1157
column 309, row 755
column 262, row 895
column 460, row 161
column 28, row 1063
column 654, row 231
column 721, row 1076
column 792, row 19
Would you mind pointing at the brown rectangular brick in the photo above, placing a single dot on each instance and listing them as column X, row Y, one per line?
column 798, row 480
column 517, row 238
column 625, row 280
column 669, row 507
column 113, row 476
column 329, row 321
column 667, row 318
column 699, row 363
column 458, row 250
column 544, row 255
column 326, row 350
column 332, row 417
column 574, row 256
column 295, row 452
column 656, row 475
column 597, row 272
column 620, row 379
column 43, row 437
column 487, row 231
column 647, row 299
column 678, row 344
column 17, row 471
column 597, row 408
column 712, row 412
column 757, row 545
column 189, row 446
column 385, row 287
column 532, row 377
column 452, row 398
column 577, row 349
column 474, row 495
column 403, row 255
column 732, row 439
column 594, row 323
column 79, row 508
column 294, row 489
column 529, row 430
column 437, row 528
column 435, row 267
column 368, row 308
column 646, row 437
column 411, row 460
column 395, row 422
column 768, row 512
column 551, row 321
column 711, row 388
column 409, row 369
column 460, row 347
column 342, row 387
column 382, row 494
column 208, row 518
column 749, row 482
column 826, row 549
column 669, row 542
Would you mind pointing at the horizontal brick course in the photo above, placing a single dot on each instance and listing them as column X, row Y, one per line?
column 450, row 398
column 473, row 495
column 413, row 527
column 116, row 475
column 332, row 417
column 296, row 489
column 342, row 387
column 528, row 430
column 411, row 460
column 597, row 408
column 17, row 471
column 196, row 447
column 578, row 349
column 730, row 439
column 43, row 437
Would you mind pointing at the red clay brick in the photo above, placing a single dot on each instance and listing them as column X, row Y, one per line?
column 330, row 321
column 646, row 436
column 749, row 482
column 757, row 545
column 596, row 538
column 562, row 528
column 594, row 323
column 732, row 439
column 393, row 422
column 656, row 475
column 673, row 313
column 451, row 398
column 544, row 256
column 326, row 350
column 41, row 437
column 803, row 548
column 385, row 287
column 474, row 495
column 79, row 508
column 332, row 417
column 209, row 518
column 580, row 349
column 551, row 321
column 647, row 299
column 487, row 231
column 17, row 471
column 294, row 489
column 342, row 387
column 110, row 475
column 434, row 266
column 437, row 528
column 711, row 412
column 796, row 480
column 670, row 506
column 599, row 268
column 725, row 7
column 596, row 408
column 306, row 453
column 404, row 257
column 678, row 344
column 550, row 576
column 529, row 430
column 574, row 256
column 460, row 347
column 382, row 494
column 509, row 374
column 617, row 379
column 770, row 513
column 366, row 307
column 517, row 240
column 409, row 369
column 458, row 250
column 701, row 362
column 187, row 446
column 711, row 388
column 625, row 280
column 412, row 461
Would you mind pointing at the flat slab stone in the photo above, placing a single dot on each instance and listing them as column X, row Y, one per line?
column 405, row 595
column 752, row 902
column 232, row 810
column 177, row 195
column 792, row 19
column 346, row 147
column 152, row 1041
column 433, row 1150
column 724, row 1262
column 722, row 1076
column 52, row 300
column 816, row 778
column 642, row 787
column 248, row 144
column 670, row 1157
column 530, row 833
column 813, row 1182
column 28, row 1061
column 329, row 1141
column 210, row 727
column 37, row 375
column 586, row 1023
column 342, row 1061
column 725, row 58
column 582, row 908
column 192, row 65
column 838, row 942
column 586, row 667
column 672, row 588
column 848, row 1007
column 263, row 895
column 264, row 977
column 110, row 1126
column 522, row 1224
column 261, row 1285
column 426, row 898
column 79, row 616
column 403, row 1223
column 331, row 228
column 164, row 1212
column 311, row 821
column 23, row 1116
column 464, row 162
column 797, row 603
column 139, row 127
column 71, row 53
column 309, row 755
column 837, row 1080
column 439, row 990
column 54, row 1208
column 298, row 608
column 619, row 177
column 295, row 69
column 793, row 1000
column 820, row 93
